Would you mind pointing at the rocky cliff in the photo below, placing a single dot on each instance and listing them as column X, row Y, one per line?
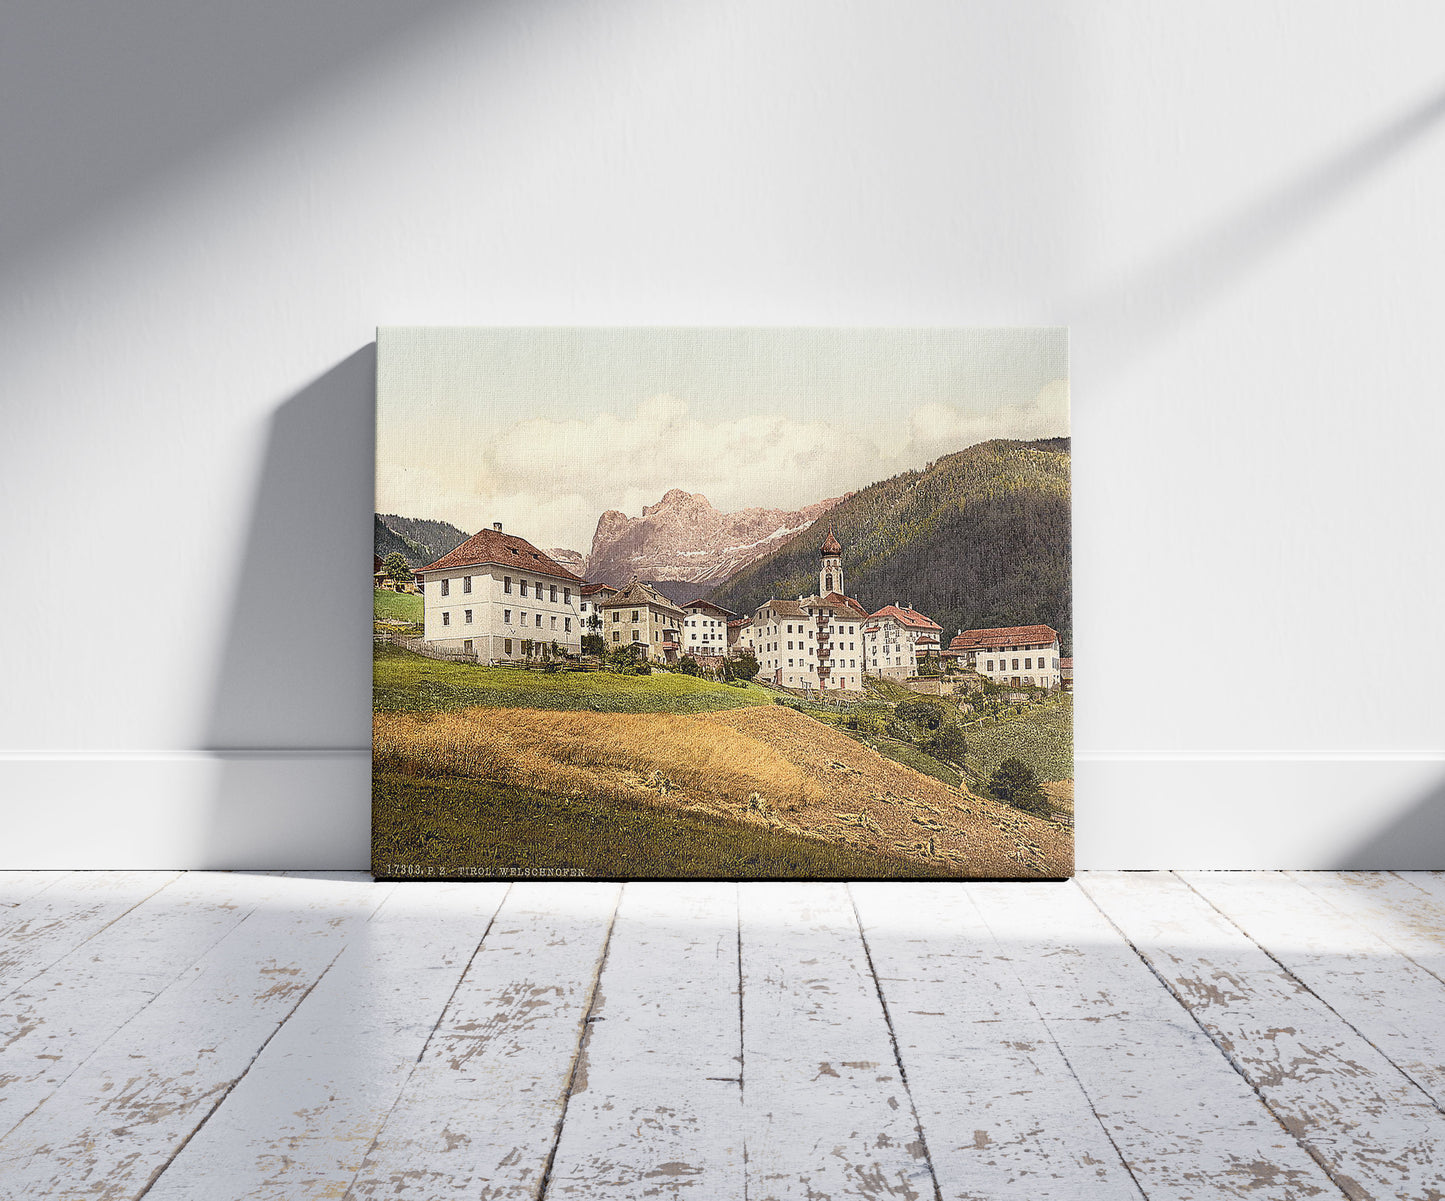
column 683, row 537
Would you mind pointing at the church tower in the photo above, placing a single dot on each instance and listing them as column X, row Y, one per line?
column 830, row 575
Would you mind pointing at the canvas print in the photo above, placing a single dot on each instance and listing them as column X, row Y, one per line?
column 722, row 603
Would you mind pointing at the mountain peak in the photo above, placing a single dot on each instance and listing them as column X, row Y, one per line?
column 682, row 537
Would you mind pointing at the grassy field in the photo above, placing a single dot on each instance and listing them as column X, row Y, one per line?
column 919, row 761
column 403, row 682
column 479, row 828
column 1043, row 737
column 397, row 606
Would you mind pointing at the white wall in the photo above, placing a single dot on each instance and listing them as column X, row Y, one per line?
column 206, row 208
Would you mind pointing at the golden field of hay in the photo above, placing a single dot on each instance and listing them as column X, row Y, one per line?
column 766, row 765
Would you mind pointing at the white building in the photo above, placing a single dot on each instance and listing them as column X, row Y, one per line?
column 497, row 596
column 896, row 640
column 1018, row 656
column 641, row 616
column 813, row 642
column 594, row 596
column 705, row 630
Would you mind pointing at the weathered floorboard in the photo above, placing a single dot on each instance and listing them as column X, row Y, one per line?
column 300, row 1122
column 1002, row 1114
column 48, row 925
column 18, row 886
column 55, row 1021
column 1187, row 1125
column 655, row 1108
column 1376, row 1132
column 827, row 1113
column 1392, row 1002
column 480, row 1114
column 124, row 1113
column 1402, row 908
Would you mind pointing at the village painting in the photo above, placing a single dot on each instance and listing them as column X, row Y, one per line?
column 722, row 603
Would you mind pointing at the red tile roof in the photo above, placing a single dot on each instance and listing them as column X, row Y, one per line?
column 908, row 617
column 1066, row 665
column 594, row 589
column 507, row 550
column 978, row 640
column 739, row 622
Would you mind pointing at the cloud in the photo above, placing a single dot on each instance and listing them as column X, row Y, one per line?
column 551, row 478
column 940, row 429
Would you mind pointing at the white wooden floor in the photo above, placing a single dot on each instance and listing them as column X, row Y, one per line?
column 1206, row 1035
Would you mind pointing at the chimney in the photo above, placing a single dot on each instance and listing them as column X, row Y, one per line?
column 497, row 525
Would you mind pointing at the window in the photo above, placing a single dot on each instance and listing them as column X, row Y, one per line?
column 541, row 590
column 554, row 623
column 988, row 666
column 446, row 619
column 1028, row 665
column 616, row 615
column 790, row 641
column 539, row 621
column 446, row 587
column 507, row 645
column 616, row 636
column 634, row 616
column 467, row 617
column 467, row 645
column 466, row 583
column 1016, row 665
column 552, row 594
column 522, row 584
column 507, row 584
column 567, row 625
column 506, row 617
column 567, row 596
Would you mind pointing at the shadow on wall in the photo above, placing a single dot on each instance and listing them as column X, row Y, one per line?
column 290, row 718
column 1414, row 841
column 130, row 93
column 1126, row 319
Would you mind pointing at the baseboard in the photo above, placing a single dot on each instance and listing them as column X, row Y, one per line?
column 309, row 809
column 277, row 809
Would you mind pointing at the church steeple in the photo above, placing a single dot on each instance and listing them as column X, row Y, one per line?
column 830, row 575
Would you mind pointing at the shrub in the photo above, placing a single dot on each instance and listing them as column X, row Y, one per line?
column 743, row 666
column 1015, row 783
column 592, row 644
column 947, row 743
column 929, row 714
column 688, row 666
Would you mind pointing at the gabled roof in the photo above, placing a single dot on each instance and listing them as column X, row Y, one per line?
column 783, row 608
column 594, row 589
column 836, row 600
column 638, row 593
column 707, row 604
column 738, row 622
column 982, row 640
column 505, row 550
column 1066, row 666
column 908, row 617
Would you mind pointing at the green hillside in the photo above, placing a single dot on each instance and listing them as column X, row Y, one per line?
column 977, row 539
column 403, row 682
column 396, row 606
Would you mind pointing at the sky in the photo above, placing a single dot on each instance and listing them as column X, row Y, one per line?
column 545, row 429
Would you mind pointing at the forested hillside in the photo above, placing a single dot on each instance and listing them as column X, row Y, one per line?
column 977, row 539
column 420, row 542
